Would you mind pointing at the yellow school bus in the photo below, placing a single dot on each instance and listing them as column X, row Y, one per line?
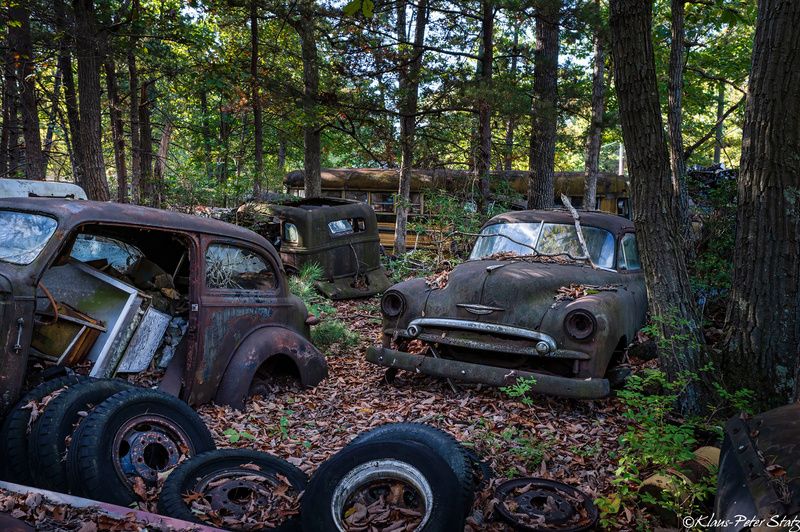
column 378, row 186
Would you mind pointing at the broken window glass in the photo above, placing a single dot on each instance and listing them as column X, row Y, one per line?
column 90, row 248
column 340, row 227
column 24, row 236
column 235, row 268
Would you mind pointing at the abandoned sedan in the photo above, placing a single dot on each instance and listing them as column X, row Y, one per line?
column 110, row 288
column 534, row 300
column 341, row 236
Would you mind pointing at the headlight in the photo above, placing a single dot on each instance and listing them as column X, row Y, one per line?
column 580, row 324
column 392, row 304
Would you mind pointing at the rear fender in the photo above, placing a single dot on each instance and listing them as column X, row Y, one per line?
column 257, row 348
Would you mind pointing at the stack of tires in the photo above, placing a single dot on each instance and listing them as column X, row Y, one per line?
column 103, row 439
column 410, row 471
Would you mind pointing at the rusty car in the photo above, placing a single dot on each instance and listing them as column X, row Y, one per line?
column 106, row 288
column 339, row 235
column 758, row 483
column 540, row 297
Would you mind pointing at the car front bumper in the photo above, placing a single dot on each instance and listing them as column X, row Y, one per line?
column 492, row 375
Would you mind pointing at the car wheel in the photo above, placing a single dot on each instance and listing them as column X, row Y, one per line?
column 47, row 445
column 14, row 433
column 235, row 485
column 437, row 440
column 131, row 438
column 375, row 484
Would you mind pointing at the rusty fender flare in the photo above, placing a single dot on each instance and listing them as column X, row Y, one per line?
column 468, row 372
column 258, row 347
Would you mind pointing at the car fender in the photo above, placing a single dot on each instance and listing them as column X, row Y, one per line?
column 257, row 348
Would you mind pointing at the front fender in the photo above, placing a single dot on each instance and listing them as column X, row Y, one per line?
column 256, row 349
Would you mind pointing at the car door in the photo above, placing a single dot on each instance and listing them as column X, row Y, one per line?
column 241, row 290
column 630, row 267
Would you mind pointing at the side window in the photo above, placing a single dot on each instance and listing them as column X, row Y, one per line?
column 231, row 267
column 119, row 255
column 629, row 253
column 290, row 233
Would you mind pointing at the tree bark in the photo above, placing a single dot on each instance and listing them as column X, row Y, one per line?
column 19, row 41
column 675, row 114
column 764, row 313
column 483, row 159
column 595, row 136
column 117, row 130
column 65, row 29
column 133, row 112
column 655, row 199
column 160, row 172
column 206, row 132
column 145, row 145
column 409, row 67
column 52, row 118
column 312, row 130
column 91, row 154
column 511, row 125
column 9, row 142
column 719, row 133
column 258, row 137
column 541, row 186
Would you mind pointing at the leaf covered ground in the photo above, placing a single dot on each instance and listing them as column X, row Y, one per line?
column 560, row 439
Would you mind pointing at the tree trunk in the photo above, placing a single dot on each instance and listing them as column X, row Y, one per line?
column 10, row 135
column 719, row 134
column 19, row 41
column 483, row 161
column 258, row 131
column 91, row 154
column 145, row 146
column 595, row 136
column 52, row 118
column 541, row 187
column 511, row 125
column 160, row 172
column 281, row 155
column 675, row 115
column 312, row 130
column 206, row 134
column 133, row 112
column 764, row 314
column 117, row 130
column 409, row 68
column 65, row 28
column 654, row 198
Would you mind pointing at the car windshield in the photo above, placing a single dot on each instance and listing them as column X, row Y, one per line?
column 24, row 235
column 545, row 239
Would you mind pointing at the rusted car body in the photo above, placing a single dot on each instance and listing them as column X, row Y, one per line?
column 758, row 484
column 242, row 323
column 339, row 235
column 528, row 303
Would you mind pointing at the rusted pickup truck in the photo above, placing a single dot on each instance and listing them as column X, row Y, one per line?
column 534, row 300
column 109, row 288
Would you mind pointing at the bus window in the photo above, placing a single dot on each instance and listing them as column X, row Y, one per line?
column 416, row 203
column 382, row 201
column 357, row 195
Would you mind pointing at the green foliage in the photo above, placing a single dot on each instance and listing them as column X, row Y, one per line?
column 334, row 333
column 302, row 285
column 527, row 446
column 235, row 436
column 520, row 390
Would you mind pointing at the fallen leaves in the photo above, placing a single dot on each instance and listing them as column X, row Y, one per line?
column 577, row 291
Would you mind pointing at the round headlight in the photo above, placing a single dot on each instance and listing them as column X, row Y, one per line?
column 580, row 324
column 392, row 304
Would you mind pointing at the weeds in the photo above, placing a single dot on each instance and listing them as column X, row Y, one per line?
column 520, row 390
column 332, row 333
column 302, row 285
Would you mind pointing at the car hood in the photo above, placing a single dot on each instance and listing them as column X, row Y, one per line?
column 508, row 292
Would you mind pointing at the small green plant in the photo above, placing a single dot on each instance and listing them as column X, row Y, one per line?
column 521, row 390
column 302, row 285
column 332, row 333
column 235, row 436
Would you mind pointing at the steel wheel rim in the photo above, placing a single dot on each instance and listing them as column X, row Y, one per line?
column 146, row 445
column 371, row 476
column 223, row 490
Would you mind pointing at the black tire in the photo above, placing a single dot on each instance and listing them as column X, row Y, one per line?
column 445, row 499
column 14, row 433
column 193, row 473
column 439, row 441
column 102, row 462
column 47, row 447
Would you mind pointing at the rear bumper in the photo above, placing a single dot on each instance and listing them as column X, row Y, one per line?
column 479, row 373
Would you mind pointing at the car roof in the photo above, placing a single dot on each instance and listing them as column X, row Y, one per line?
column 610, row 222
column 75, row 213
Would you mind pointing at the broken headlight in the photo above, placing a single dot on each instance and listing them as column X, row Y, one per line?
column 392, row 304
column 580, row 324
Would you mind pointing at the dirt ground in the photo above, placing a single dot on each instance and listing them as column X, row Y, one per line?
column 560, row 439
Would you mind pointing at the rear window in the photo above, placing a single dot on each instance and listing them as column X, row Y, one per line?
column 347, row 226
column 24, row 235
